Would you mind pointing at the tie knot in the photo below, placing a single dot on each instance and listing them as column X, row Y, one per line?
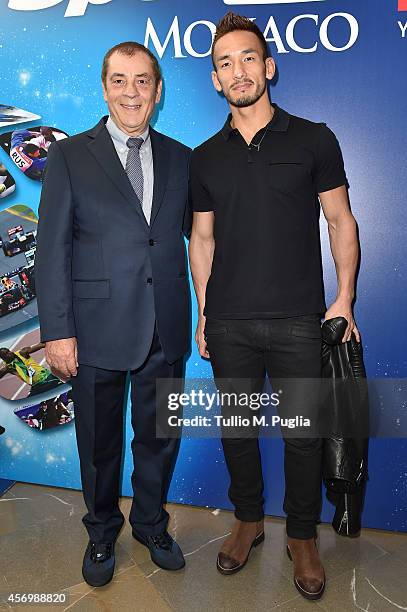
column 134, row 142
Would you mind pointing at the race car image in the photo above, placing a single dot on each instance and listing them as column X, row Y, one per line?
column 27, row 279
column 17, row 288
column 28, row 148
column 18, row 241
column 30, row 255
column 11, row 298
column 18, row 245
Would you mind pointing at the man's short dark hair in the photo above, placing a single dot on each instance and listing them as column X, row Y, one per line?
column 234, row 23
column 30, row 148
column 130, row 48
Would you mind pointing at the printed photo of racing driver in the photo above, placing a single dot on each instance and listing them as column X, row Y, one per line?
column 28, row 148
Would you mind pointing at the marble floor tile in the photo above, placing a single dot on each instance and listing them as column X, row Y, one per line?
column 42, row 541
column 380, row 586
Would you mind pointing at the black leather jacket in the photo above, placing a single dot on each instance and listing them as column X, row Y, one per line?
column 345, row 451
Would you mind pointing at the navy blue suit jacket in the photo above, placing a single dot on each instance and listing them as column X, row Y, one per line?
column 102, row 273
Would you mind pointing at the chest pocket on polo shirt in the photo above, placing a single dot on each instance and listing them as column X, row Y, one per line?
column 287, row 176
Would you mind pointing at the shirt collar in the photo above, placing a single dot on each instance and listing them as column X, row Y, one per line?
column 117, row 134
column 279, row 123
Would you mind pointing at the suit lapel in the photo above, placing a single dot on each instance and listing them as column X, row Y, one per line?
column 102, row 148
column 161, row 170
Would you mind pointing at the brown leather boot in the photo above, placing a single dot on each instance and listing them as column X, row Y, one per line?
column 309, row 575
column 235, row 551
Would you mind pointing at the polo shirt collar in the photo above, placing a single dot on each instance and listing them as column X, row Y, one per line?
column 279, row 122
column 121, row 137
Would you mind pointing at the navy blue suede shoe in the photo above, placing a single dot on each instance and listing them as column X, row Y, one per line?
column 164, row 551
column 98, row 563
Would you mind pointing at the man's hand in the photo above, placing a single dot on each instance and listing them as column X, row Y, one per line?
column 62, row 357
column 200, row 338
column 343, row 308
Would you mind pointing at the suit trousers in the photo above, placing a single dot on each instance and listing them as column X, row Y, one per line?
column 99, row 397
column 243, row 352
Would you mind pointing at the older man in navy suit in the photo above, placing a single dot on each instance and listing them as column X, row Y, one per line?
column 113, row 297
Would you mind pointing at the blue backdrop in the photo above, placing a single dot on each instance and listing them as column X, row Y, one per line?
column 339, row 61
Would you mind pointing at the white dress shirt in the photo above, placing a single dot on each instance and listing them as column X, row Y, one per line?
column 119, row 139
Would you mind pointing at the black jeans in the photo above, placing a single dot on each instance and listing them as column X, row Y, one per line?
column 280, row 348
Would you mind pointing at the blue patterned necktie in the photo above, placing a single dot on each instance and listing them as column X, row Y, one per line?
column 133, row 167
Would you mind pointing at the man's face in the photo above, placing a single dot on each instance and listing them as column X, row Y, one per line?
column 131, row 91
column 241, row 71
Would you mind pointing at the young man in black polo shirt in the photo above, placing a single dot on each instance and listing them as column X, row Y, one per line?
column 256, row 188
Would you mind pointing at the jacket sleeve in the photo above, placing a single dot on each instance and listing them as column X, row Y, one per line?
column 53, row 258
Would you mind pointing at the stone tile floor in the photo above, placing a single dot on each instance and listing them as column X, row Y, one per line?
column 42, row 541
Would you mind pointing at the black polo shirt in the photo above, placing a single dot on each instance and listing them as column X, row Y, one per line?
column 267, row 260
